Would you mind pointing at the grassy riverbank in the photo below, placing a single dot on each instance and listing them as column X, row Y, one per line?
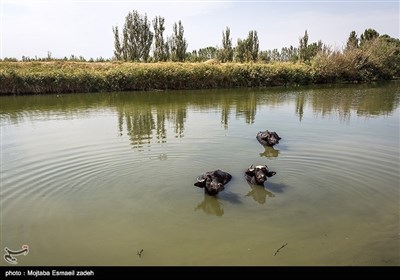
column 66, row 77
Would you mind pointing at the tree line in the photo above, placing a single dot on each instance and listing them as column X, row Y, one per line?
column 369, row 55
column 138, row 39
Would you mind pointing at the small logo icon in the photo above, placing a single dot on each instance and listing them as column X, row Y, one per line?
column 9, row 255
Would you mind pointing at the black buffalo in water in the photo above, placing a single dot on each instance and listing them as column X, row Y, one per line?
column 268, row 138
column 213, row 181
column 258, row 175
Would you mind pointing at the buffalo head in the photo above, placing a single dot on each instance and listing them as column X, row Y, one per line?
column 258, row 175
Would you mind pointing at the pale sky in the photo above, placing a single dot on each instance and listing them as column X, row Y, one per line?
column 84, row 28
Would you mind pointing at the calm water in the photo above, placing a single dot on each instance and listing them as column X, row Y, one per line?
column 92, row 179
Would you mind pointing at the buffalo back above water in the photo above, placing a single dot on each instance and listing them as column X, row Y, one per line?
column 268, row 138
column 213, row 181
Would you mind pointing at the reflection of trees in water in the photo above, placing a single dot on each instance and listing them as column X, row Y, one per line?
column 211, row 205
column 342, row 101
column 146, row 115
column 161, row 130
column 143, row 123
column 179, row 119
column 377, row 104
column 225, row 112
column 331, row 102
column 300, row 101
column 247, row 107
column 177, row 116
column 139, row 126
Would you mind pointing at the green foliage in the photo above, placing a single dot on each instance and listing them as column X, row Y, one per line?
column 240, row 51
column 352, row 41
column 117, row 44
column 303, row 45
column 192, row 56
column 264, row 56
column 252, row 46
column 308, row 51
column 334, row 66
column 10, row 59
column 289, row 54
column 161, row 49
column 247, row 50
column 177, row 43
column 207, row 53
column 226, row 53
column 137, row 38
column 285, row 55
column 382, row 57
column 368, row 35
column 378, row 58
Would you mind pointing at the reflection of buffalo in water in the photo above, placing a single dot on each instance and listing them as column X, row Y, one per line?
column 269, row 152
column 213, row 181
column 211, row 205
column 258, row 175
column 259, row 193
column 267, row 138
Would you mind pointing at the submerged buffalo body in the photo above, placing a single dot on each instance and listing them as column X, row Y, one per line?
column 268, row 138
column 258, row 175
column 213, row 181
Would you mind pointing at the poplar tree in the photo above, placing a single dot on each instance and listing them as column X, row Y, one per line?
column 161, row 49
column 240, row 50
column 303, row 45
column 178, row 44
column 117, row 44
column 308, row 51
column 226, row 53
column 252, row 45
column 247, row 50
column 137, row 38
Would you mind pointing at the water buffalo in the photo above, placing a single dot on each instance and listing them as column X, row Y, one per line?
column 258, row 175
column 213, row 181
column 267, row 138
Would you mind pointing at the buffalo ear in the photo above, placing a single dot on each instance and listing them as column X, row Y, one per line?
column 270, row 174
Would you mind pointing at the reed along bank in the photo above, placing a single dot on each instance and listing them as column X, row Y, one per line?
column 68, row 77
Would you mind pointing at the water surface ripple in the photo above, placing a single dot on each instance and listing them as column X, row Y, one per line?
column 110, row 174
